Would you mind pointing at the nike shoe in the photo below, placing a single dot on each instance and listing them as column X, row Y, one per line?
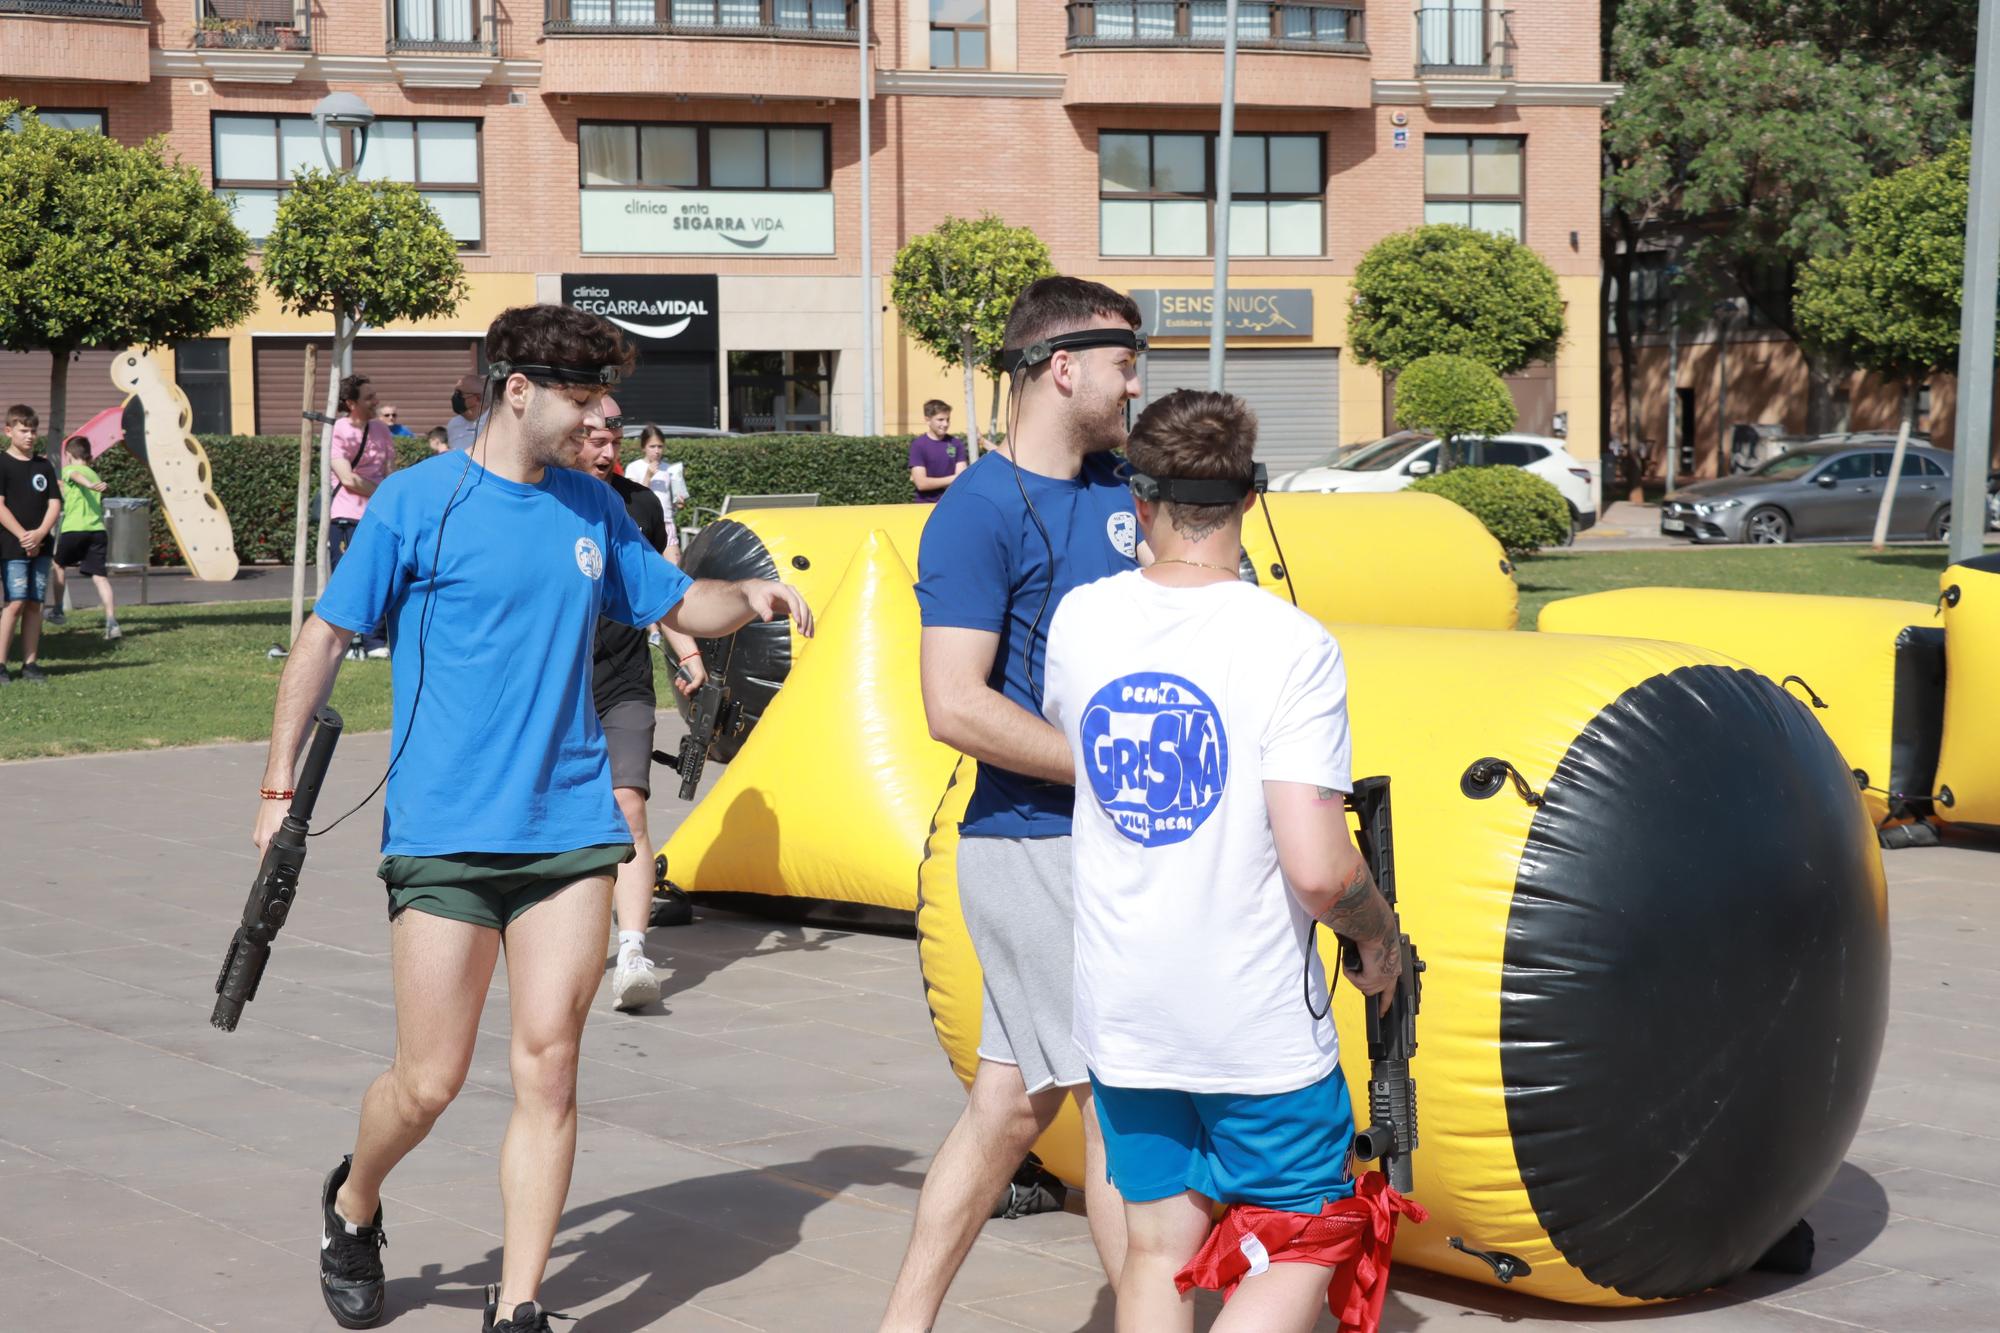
column 635, row 985
column 528, row 1317
column 350, row 1259
column 33, row 674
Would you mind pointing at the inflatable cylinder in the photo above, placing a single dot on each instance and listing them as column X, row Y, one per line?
column 1654, row 1001
column 1968, row 775
column 1870, row 668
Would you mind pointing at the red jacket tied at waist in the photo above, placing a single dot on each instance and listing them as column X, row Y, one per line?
column 1351, row 1235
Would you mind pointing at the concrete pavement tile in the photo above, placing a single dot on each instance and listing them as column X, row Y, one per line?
column 696, row 1116
column 20, row 1018
column 50, row 937
column 16, row 1160
column 1896, row 1302
column 700, row 1014
column 833, row 1160
column 773, row 1080
column 1934, row 1251
column 771, row 1296
column 992, row 1269
column 1942, row 1101
column 908, row 1115
column 278, row 1203
column 47, row 1204
column 1952, row 1152
column 865, row 1054
column 1950, row 1200
column 1079, row 1307
column 771, row 1207
column 172, row 1267
column 286, row 1126
column 897, row 1016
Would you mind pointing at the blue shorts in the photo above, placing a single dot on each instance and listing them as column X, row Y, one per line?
column 28, row 580
column 1288, row 1151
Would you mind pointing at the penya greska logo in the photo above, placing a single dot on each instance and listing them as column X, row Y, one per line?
column 1155, row 755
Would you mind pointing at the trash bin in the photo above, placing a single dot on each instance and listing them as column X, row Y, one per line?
column 128, row 531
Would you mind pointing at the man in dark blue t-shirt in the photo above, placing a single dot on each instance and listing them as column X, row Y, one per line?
column 1016, row 531
column 490, row 569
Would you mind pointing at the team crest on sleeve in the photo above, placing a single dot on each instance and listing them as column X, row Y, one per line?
column 588, row 558
column 1155, row 755
column 1123, row 529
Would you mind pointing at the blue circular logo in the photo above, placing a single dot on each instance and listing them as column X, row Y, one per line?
column 1155, row 755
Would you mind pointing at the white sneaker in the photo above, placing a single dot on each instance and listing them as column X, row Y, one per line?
column 379, row 654
column 634, row 985
column 111, row 630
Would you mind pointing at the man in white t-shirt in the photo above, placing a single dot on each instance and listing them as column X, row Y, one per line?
column 1208, row 721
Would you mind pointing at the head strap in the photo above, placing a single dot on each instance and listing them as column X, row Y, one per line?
column 1016, row 360
column 605, row 375
column 1193, row 490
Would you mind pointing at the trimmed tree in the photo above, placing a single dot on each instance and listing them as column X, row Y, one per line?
column 1444, row 288
column 1452, row 397
column 107, row 246
column 1890, row 301
column 953, row 288
column 364, row 252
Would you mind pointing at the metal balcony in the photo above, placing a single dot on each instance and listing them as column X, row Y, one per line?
column 443, row 27
column 1465, row 43
column 1277, row 25
column 253, row 25
column 808, row 20
column 76, row 9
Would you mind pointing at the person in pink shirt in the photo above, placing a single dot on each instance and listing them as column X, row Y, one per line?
column 363, row 453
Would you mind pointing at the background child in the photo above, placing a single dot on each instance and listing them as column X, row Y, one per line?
column 80, row 540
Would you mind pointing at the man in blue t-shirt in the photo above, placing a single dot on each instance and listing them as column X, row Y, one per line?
column 1016, row 531
column 489, row 570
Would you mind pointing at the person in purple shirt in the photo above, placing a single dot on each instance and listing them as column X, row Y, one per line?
column 937, row 456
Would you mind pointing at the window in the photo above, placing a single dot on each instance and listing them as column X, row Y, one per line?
column 1854, row 467
column 256, row 158
column 703, row 157
column 201, row 368
column 958, row 34
column 68, row 120
column 447, row 22
column 1474, row 182
column 1925, row 467
column 1156, row 194
column 1651, row 302
column 825, row 16
column 780, row 391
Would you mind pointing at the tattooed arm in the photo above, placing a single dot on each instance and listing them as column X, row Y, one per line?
column 1331, row 881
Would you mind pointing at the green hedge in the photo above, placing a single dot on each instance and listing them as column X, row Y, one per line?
column 1524, row 512
column 256, row 478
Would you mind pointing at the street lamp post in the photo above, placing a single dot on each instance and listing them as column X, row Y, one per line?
column 1218, row 314
column 867, row 234
column 1724, row 312
column 1972, row 449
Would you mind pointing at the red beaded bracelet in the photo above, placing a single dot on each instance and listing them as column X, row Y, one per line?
column 272, row 795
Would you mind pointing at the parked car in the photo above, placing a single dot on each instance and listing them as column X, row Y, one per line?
column 1822, row 492
column 1393, row 462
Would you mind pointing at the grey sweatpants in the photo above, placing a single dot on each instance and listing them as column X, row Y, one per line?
column 1015, row 894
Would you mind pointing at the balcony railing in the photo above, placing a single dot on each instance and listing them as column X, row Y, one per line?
column 818, row 20
column 1465, row 41
column 76, row 9
column 253, row 25
column 1283, row 25
column 443, row 27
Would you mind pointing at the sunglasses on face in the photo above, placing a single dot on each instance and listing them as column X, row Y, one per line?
column 615, row 424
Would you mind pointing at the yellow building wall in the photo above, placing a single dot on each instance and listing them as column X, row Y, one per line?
column 487, row 295
column 1577, row 364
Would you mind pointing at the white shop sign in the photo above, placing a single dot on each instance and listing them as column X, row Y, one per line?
column 707, row 222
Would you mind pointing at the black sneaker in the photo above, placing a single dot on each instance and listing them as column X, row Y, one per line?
column 528, row 1317
column 6, row 676
column 350, row 1259
column 33, row 674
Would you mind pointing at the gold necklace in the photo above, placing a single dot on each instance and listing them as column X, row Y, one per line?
column 1199, row 564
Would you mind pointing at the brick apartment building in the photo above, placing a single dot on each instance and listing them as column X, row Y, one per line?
column 693, row 165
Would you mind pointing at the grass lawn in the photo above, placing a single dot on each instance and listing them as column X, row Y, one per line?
column 186, row 675
column 1909, row 572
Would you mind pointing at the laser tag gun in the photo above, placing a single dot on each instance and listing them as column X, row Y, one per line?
column 1391, row 1135
column 276, row 884
column 709, row 711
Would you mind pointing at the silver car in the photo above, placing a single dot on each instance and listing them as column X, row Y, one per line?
column 1825, row 492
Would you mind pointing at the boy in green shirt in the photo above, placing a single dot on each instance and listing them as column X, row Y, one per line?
column 80, row 540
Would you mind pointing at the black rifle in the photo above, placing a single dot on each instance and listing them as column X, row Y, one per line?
column 1391, row 1135
column 709, row 711
column 277, row 883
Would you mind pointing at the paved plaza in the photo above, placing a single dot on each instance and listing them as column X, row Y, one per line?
column 750, row 1149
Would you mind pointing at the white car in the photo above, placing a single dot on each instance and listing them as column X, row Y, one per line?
column 1391, row 463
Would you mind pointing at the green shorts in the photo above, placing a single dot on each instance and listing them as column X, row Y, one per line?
column 491, row 888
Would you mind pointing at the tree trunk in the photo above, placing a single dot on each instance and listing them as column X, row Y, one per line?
column 52, row 425
column 966, row 352
column 993, row 419
column 1888, row 500
column 343, row 338
column 1822, row 414
column 305, row 496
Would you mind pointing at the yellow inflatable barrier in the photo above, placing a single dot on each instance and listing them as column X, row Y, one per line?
column 1968, row 773
column 1403, row 559
column 1657, row 983
column 1872, row 668
column 852, row 707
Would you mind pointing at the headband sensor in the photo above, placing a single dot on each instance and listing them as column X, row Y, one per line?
column 1016, row 361
column 587, row 375
column 1195, row 490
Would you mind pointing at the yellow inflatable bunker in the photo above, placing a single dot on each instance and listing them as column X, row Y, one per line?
column 1968, row 773
column 1657, row 954
column 1872, row 668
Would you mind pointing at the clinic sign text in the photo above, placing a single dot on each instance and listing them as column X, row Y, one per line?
column 707, row 222
column 1250, row 312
